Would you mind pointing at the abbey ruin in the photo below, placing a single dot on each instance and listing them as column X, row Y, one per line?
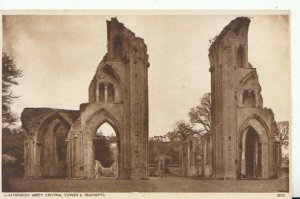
column 59, row 143
column 244, row 132
column 243, row 142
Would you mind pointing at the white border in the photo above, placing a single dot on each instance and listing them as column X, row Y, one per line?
column 292, row 5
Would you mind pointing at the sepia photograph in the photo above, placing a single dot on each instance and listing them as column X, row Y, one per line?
column 189, row 102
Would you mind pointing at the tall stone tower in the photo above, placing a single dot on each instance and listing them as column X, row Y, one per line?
column 118, row 95
column 244, row 144
column 60, row 143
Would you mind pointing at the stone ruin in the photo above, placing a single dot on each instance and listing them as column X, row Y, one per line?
column 59, row 143
column 244, row 132
column 245, row 142
column 197, row 156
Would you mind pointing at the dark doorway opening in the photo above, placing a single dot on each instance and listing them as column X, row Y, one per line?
column 252, row 154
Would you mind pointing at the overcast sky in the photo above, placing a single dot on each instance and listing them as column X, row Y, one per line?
column 59, row 56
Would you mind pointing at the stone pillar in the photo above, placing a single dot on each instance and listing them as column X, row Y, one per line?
column 38, row 172
column 265, row 160
column 69, row 160
column 89, row 159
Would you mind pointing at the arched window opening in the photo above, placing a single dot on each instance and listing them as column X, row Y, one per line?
column 61, row 144
column 106, row 152
column 248, row 98
column 251, row 163
column 110, row 93
column 117, row 47
column 106, row 92
column 102, row 92
column 240, row 57
column 53, row 151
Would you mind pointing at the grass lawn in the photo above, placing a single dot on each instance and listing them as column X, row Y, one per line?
column 168, row 184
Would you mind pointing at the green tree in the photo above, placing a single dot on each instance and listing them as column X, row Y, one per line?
column 10, row 73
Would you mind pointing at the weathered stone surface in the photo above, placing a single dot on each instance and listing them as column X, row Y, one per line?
column 118, row 95
column 197, row 156
column 243, row 133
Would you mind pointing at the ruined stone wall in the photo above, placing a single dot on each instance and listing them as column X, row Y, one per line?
column 118, row 95
column 135, row 66
column 125, row 69
column 42, row 126
column 197, row 156
column 236, row 99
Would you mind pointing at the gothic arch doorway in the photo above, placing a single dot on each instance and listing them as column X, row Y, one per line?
column 106, row 151
column 251, row 154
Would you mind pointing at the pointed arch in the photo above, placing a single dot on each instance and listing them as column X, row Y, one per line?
column 254, row 123
column 247, row 78
column 97, row 119
column 106, row 147
column 100, row 117
column 103, row 88
column 248, row 91
column 108, row 70
column 257, row 118
column 45, row 124
column 52, row 146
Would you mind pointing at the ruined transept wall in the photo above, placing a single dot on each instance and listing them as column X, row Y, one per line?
column 118, row 95
column 236, row 102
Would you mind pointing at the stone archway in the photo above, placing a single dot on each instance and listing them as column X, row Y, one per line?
column 251, row 156
column 118, row 95
column 106, row 151
column 94, row 122
column 52, row 147
column 254, row 149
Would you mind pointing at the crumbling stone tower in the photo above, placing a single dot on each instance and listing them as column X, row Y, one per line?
column 244, row 133
column 118, row 95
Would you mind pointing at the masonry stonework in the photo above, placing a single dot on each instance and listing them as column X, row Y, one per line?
column 244, row 132
column 197, row 156
column 59, row 143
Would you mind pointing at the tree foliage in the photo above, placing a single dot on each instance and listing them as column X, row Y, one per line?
column 200, row 121
column 183, row 130
column 13, row 148
column 103, row 151
column 201, row 114
column 10, row 73
column 158, row 148
column 283, row 129
column 174, row 136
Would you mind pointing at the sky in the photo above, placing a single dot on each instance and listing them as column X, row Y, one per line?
column 59, row 56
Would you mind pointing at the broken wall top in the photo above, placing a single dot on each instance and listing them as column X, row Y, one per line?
column 33, row 118
column 234, row 26
column 122, row 42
